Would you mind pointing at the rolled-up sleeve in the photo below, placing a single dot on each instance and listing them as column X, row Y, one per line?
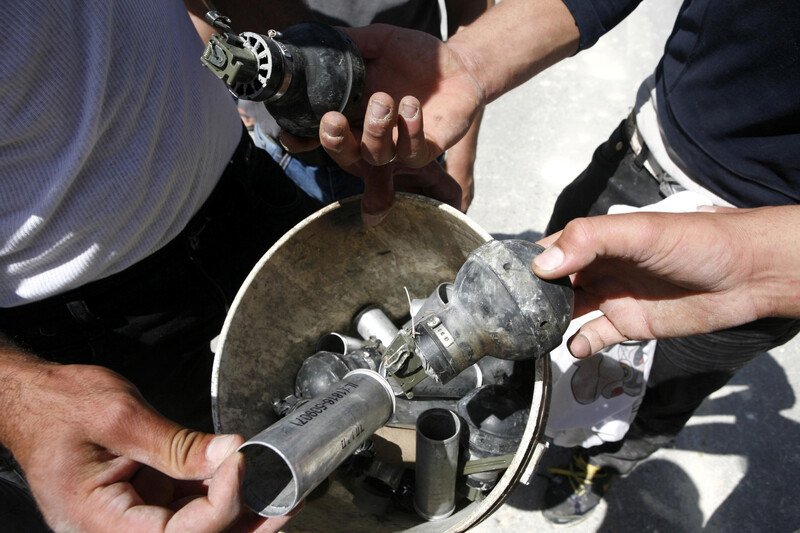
column 595, row 17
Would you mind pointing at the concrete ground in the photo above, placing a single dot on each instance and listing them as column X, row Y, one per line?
column 734, row 467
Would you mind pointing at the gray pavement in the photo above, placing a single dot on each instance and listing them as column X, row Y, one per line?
column 733, row 469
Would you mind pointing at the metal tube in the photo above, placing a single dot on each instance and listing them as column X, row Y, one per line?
column 407, row 412
column 287, row 460
column 373, row 322
column 438, row 432
column 421, row 308
column 338, row 343
column 468, row 380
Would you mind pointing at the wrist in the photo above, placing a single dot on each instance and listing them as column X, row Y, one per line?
column 468, row 56
column 775, row 279
column 549, row 35
column 473, row 62
column 21, row 375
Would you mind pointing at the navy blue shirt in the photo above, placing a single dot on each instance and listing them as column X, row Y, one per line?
column 728, row 91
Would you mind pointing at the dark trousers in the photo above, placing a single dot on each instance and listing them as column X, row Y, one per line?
column 685, row 370
column 153, row 322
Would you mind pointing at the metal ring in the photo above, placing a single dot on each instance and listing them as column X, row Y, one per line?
column 392, row 160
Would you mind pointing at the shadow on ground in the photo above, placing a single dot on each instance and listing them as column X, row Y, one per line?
column 661, row 496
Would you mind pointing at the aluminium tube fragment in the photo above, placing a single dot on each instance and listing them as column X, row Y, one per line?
column 338, row 343
column 290, row 458
column 438, row 440
column 373, row 322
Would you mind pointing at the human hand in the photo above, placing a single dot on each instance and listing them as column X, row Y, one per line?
column 402, row 62
column 98, row 457
column 369, row 154
column 657, row 275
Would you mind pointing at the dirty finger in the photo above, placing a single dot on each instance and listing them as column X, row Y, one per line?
column 377, row 143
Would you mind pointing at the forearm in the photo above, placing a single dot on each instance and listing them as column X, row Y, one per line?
column 775, row 278
column 461, row 157
column 18, row 372
column 252, row 16
column 514, row 41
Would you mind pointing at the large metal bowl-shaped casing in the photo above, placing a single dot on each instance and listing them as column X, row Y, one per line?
column 313, row 281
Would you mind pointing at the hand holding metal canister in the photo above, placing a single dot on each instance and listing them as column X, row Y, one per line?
column 498, row 307
column 300, row 73
column 290, row 458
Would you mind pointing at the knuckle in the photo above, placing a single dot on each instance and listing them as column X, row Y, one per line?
column 182, row 443
column 334, row 145
column 116, row 399
column 120, row 411
column 377, row 156
column 579, row 231
column 378, row 130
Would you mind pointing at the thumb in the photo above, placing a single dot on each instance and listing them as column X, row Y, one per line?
column 549, row 263
column 179, row 452
column 295, row 144
column 188, row 454
column 584, row 240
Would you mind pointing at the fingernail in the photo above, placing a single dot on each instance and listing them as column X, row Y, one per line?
column 550, row 259
column 373, row 219
column 220, row 448
column 332, row 130
column 579, row 347
column 378, row 109
column 707, row 209
column 409, row 111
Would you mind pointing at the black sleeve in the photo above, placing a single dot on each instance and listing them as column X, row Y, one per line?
column 595, row 17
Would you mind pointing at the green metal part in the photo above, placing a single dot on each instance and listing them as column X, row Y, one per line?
column 229, row 60
column 402, row 362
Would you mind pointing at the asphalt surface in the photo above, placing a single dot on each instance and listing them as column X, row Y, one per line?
column 733, row 468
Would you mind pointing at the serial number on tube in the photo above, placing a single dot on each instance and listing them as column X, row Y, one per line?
column 357, row 431
column 320, row 406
